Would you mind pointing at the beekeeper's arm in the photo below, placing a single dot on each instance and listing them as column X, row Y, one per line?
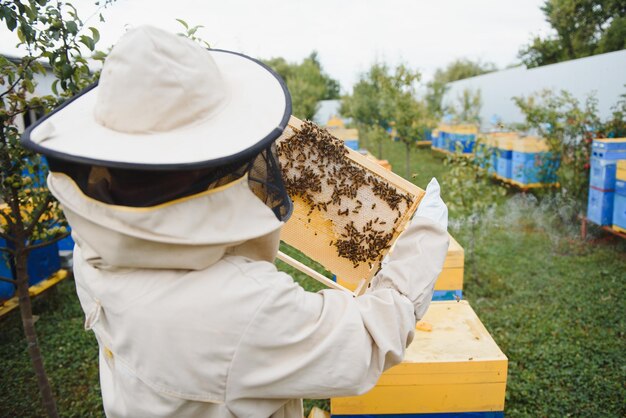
column 317, row 345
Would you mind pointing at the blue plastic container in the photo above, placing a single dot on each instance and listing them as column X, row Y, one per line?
column 504, row 163
column 602, row 173
column 600, row 206
column 620, row 187
column 533, row 167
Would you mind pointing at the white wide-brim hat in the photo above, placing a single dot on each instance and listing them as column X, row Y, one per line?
column 165, row 103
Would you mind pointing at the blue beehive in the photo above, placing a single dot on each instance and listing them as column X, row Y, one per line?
column 610, row 149
column 504, row 152
column 445, row 140
column 7, row 290
column 604, row 156
column 619, row 211
column 67, row 243
column 600, row 206
column 532, row 163
column 602, row 173
column 41, row 264
column 352, row 144
column 434, row 138
column 619, row 205
column 504, row 165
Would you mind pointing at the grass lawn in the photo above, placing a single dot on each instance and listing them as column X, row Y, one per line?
column 555, row 306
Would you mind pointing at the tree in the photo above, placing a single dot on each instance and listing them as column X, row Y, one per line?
column 569, row 128
column 471, row 194
column 467, row 108
column 307, row 83
column 401, row 106
column 365, row 106
column 382, row 99
column 457, row 70
column 581, row 28
column 50, row 32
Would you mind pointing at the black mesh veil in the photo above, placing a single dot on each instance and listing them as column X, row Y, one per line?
column 146, row 188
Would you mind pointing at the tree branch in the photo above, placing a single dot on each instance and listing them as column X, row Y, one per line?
column 6, row 236
column 6, row 279
column 16, row 82
column 6, row 218
column 47, row 242
column 35, row 218
column 7, row 250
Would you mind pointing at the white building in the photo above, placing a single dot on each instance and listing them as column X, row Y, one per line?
column 604, row 75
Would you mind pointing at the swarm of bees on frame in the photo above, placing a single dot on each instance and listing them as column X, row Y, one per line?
column 316, row 169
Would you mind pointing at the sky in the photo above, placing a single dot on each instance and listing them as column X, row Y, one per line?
column 349, row 35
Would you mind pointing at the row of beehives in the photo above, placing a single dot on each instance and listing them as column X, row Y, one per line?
column 607, row 183
column 524, row 161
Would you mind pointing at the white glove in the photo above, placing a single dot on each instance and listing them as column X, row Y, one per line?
column 432, row 207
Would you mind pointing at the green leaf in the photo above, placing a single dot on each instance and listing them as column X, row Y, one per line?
column 87, row 41
column 95, row 34
column 11, row 22
column 54, row 87
column 71, row 27
column 182, row 22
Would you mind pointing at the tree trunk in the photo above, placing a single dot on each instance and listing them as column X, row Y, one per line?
column 408, row 159
column 36, row 358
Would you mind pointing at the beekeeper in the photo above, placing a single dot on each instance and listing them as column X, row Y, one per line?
column 168, row 177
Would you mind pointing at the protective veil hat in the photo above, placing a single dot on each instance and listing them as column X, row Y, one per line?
column 165, row 103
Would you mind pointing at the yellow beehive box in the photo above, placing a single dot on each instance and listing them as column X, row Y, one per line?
column 621, row 170
column 346, row 134
column 451, row 277
column 530, row 144
column 457, row 367
column 505, row 140
column 335, row 123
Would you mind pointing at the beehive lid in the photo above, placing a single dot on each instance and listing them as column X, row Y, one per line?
column 530, row 144
column 504, row 140
column 348, row 210
column 610, row 140
column 458, row 341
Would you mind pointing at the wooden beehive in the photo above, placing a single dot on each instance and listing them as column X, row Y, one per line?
column 348, row 210
column 451, row 277
column 451, row 368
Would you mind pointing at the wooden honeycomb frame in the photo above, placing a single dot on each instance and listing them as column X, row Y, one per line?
column 311, row 231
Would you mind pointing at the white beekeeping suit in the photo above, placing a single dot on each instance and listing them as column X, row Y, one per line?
column 174, row 247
